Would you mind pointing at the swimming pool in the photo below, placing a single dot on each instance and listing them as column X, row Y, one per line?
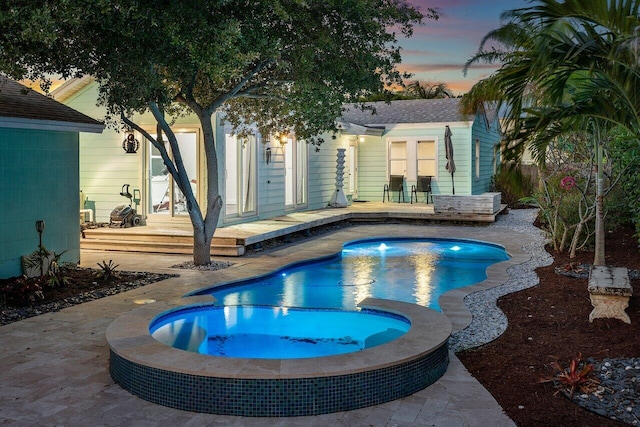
column 314, row 385
column 418, row 271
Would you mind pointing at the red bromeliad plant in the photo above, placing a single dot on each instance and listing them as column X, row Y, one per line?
column 577, row 376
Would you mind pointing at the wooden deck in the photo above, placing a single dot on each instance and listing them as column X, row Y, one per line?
column 177, row 236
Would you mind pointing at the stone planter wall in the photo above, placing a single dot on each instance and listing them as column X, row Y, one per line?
column 486, row 203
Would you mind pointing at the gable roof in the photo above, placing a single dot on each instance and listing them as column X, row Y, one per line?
column 406, row 111
column 21, row 107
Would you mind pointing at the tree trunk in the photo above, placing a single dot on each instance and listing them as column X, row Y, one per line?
column 203, row 230
column 204, row 226
column 598, row 258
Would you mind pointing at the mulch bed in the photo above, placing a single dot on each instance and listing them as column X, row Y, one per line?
column 84, row 284
column 549, row 322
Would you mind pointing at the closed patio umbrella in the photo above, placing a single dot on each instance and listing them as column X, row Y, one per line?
column 448, row 149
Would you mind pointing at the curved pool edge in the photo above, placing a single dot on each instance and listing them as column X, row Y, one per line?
column 278, row 387
column 452, row 302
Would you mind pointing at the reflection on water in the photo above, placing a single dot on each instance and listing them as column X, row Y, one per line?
column 409, row 270
column 361, row 275
column 424, row 264
column 275, row 332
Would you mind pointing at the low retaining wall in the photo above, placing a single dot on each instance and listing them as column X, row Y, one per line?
column 486, row 203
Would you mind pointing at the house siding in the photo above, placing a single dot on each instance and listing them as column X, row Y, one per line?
column 322, row 172
column 104, row 166
column 373, row 159
column 39, row 172
column 488, row 135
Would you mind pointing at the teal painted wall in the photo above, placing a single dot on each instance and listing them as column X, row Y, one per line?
column 489, row 136
column 39, row 176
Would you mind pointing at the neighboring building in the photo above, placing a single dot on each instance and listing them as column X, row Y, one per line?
column 39, row 166
column 264, row 177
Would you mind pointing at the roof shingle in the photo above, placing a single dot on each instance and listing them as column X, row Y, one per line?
column 18, row 101
column 407, row 111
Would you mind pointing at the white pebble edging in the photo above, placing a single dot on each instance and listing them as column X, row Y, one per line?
column 489, row 322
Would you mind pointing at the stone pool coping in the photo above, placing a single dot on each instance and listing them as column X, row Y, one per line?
column 161, row 386
column 279, row 387
column 129, row 337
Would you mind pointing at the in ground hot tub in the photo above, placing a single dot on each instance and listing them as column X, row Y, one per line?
column 263, row 332
column 264, row 387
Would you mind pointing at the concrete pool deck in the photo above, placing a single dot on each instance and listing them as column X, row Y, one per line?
column 55, row 367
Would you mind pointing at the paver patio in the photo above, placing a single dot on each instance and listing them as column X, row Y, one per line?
column 55, row 367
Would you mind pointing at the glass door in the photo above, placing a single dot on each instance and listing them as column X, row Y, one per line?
column 353, row 170
column 295, row 161
column 165, row 198
column 240, row 176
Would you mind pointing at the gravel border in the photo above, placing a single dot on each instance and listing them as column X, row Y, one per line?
column 489, row 322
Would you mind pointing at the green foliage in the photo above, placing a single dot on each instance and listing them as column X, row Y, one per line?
column 428, row 90
column 564, row 66
column 567, row 197
column 625, row 151
column 47, row 263
column 514, row 185
column 414, row 90
column 57, row 272
column 107, row 270
column 39, row 259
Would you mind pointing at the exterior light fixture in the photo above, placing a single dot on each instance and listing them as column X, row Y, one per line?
column 40, row 229
column 360, row 138
column 130, row 144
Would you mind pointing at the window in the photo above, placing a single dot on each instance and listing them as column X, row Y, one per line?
column 426, row 157
column 477, row 159
column 398, row 158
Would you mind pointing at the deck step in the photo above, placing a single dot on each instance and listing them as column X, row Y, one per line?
column 115, row 234
column 157, row 247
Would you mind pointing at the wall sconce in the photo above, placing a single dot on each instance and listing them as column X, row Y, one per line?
column 130, row 144
column 267, row 155
column 360, row 138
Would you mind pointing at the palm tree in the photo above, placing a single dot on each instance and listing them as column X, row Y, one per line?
column 428, row 90
column 564, row 64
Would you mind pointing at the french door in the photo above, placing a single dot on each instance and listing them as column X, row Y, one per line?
column 240, row 176
column 295, row 161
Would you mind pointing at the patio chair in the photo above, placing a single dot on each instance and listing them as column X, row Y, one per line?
column 424, row 186
column 396, row 183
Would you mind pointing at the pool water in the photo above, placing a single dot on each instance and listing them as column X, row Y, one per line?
column 276, row 332
column 418, row 271
column 310, row 309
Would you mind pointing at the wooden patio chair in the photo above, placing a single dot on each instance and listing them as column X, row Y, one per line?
column 424, row 186
column 396, row 183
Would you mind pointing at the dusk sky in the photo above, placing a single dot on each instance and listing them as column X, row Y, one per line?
column 439, row 49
